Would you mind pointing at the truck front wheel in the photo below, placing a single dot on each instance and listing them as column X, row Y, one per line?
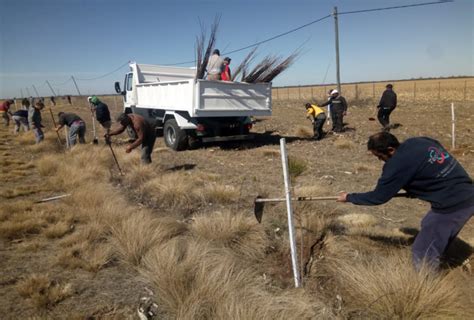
column 175, row 138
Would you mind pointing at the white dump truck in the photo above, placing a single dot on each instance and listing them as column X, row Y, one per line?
column 190, row 110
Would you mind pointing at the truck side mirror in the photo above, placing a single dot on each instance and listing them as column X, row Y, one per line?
column 117, row 88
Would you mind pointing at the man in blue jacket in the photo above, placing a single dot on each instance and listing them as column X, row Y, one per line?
column 423, row 168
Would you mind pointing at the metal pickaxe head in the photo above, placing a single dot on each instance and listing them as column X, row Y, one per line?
column 258, row 209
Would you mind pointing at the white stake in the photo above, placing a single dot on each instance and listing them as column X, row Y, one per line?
column 291, row 228
column 453, row 126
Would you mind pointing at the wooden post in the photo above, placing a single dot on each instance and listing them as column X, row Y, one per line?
column 453, row 127
column 373, row 89
column 356, row 92
column 277, row 93
column 439, row 90
column 299, row 92
column 288, row 93
column 289, row 209
column 414, row 91
column 312, row 92
column 465, row 90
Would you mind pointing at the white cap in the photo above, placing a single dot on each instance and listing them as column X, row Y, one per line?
column 89, row 99
column 334, row 91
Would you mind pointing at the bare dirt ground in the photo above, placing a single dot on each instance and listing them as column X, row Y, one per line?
column 111, row 290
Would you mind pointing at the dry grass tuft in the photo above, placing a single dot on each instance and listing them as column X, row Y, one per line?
column 388, row 287
column 58, row 230
column 311, row 191
column 238, row 232
column 47, row 165
column 19, row 229
column 304, row 132
column 217, row 193
column 357, row 220
column 344, row 143
column 42, row 292
column 139, row 233
column 195, row 281
column 296, row 166
column 270, row 152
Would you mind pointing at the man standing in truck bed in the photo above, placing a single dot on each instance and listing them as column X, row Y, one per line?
column 144, row 130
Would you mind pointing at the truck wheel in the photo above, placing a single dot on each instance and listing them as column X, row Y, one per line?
column 175, row 138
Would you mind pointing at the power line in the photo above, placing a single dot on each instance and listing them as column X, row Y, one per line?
column 396, row 7
column 62, row 83
column 105, row 75
column 263, row 41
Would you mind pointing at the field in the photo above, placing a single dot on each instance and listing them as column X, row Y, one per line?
column 179, row 237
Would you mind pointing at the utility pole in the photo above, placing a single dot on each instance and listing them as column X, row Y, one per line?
column 77, row 88
column 37, row 94
column 47, row 82
column 336, row 29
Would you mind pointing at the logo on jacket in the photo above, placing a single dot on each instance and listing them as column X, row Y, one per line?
column 437, row 155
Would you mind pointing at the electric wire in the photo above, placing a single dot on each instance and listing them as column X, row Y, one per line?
column 263, row 41
column 104, row 75
column 396, row 7
column 269, row 39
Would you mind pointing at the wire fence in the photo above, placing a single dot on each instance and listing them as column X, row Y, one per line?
column 452, row 89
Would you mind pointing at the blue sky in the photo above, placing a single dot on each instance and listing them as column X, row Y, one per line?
column 54, row 39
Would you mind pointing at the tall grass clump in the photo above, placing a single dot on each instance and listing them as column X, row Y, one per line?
column 235, row 231
column 388, row 287
column 43, row 292
column 136, row 235
column 296, row 166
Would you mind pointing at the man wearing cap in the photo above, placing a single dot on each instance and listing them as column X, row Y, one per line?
column 102, row 113
column 338, row 110
column 387, row 104
column 318, row 117
column 5, row 111
column 77, row 127
column 225, row 75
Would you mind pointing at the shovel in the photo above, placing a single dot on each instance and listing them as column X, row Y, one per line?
column 95, row 140
column 107, row 140
column 259, row 203
column 54, row 123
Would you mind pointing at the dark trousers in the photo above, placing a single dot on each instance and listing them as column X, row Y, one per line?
column 337, row 120
column 437, row 232
column 147, row 147
column 384, row 116
column 318, row 126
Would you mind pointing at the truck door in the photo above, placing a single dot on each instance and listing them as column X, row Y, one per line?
column 128, row 86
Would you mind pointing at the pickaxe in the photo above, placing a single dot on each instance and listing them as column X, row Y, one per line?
column 259, row 203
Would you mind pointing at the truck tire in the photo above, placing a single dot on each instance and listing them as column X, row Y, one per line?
column 175, row 138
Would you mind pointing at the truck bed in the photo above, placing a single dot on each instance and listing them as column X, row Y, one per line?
column 201, row 98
